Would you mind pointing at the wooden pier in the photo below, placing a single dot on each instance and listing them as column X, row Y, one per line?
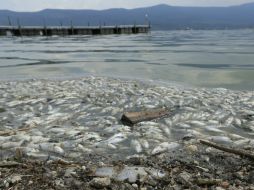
column 65, row 31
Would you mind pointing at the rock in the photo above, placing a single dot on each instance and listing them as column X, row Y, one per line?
column 251, row 177
column 192, row 148
column 59, row 183
column 70, row 172
column 84, row 168
column 127, row 186
column 219, row 188
column 135, row 185
column 184, row 178
column 100, row 182
column 6, row 183
column 30, row 182
column 15, row 179
column 224, row 184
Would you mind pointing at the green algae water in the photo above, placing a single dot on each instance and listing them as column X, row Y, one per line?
column 215, row 58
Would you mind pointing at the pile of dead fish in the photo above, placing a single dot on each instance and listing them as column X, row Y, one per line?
column 45, row 119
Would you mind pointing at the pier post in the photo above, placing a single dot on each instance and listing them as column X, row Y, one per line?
column 11, row 32
column 45, row 28
column 134, row 31
column 72, row 30
column 19, row 28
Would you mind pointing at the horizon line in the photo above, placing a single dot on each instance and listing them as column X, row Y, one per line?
column 162, row 4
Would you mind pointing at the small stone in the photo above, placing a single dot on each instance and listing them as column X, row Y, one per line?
column 224, row 184
column 59, row 183
column 127, row 186
column 30, row 182
column 100, row 182
column 184, row 178
column 90, row 169
column 15, row 179
column 219, row 188
column 135, row 185
column 83, row 168
column 192, row 148
column 101, row 164
column 70, row 172
column 251, row 177
column 6, row 183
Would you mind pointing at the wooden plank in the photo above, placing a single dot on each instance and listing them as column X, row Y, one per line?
column 131, row 118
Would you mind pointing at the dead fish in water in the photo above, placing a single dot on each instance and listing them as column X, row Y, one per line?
column 220, row 139
column 9, row 145
column 51, row 147
column 213, row 122
column 135, row 144
column 165, row 129
column 83, row 149
column 164, row 147
column 112, row 141
column 229, row 121
column 116, row 138
column 144, row 143
column 183, row 125
column 197, row 123
column 212, row 128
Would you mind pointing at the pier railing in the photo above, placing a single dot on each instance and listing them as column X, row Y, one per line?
column 73, row 30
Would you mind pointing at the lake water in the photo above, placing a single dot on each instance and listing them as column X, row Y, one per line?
column 222, row 58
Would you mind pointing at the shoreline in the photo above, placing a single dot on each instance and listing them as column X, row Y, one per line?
column 78, row 121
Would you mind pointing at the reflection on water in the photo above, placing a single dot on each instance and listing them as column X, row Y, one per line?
column 197, row 58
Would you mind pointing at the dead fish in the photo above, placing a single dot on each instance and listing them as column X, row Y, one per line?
column 83, row 149
column 51, row 147
column 213, row 122
column 220, row 139
column 165, row 129
column 183, row 125
column 130, row 174
column 238, row 122
column 39, row 139
column 144, row 143
column 229, row 121
column 197, row 123
column 168, row 122
column 212, row 128
column 9, row 145
column 117, row 138
column 164, row 147
column 135, row 144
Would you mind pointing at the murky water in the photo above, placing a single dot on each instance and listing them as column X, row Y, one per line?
column 195, row 58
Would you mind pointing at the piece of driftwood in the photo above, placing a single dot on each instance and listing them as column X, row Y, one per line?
column 13, row 132
column 131, row 118
column 208, row 182
column 226, row 149
column 9, row 164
